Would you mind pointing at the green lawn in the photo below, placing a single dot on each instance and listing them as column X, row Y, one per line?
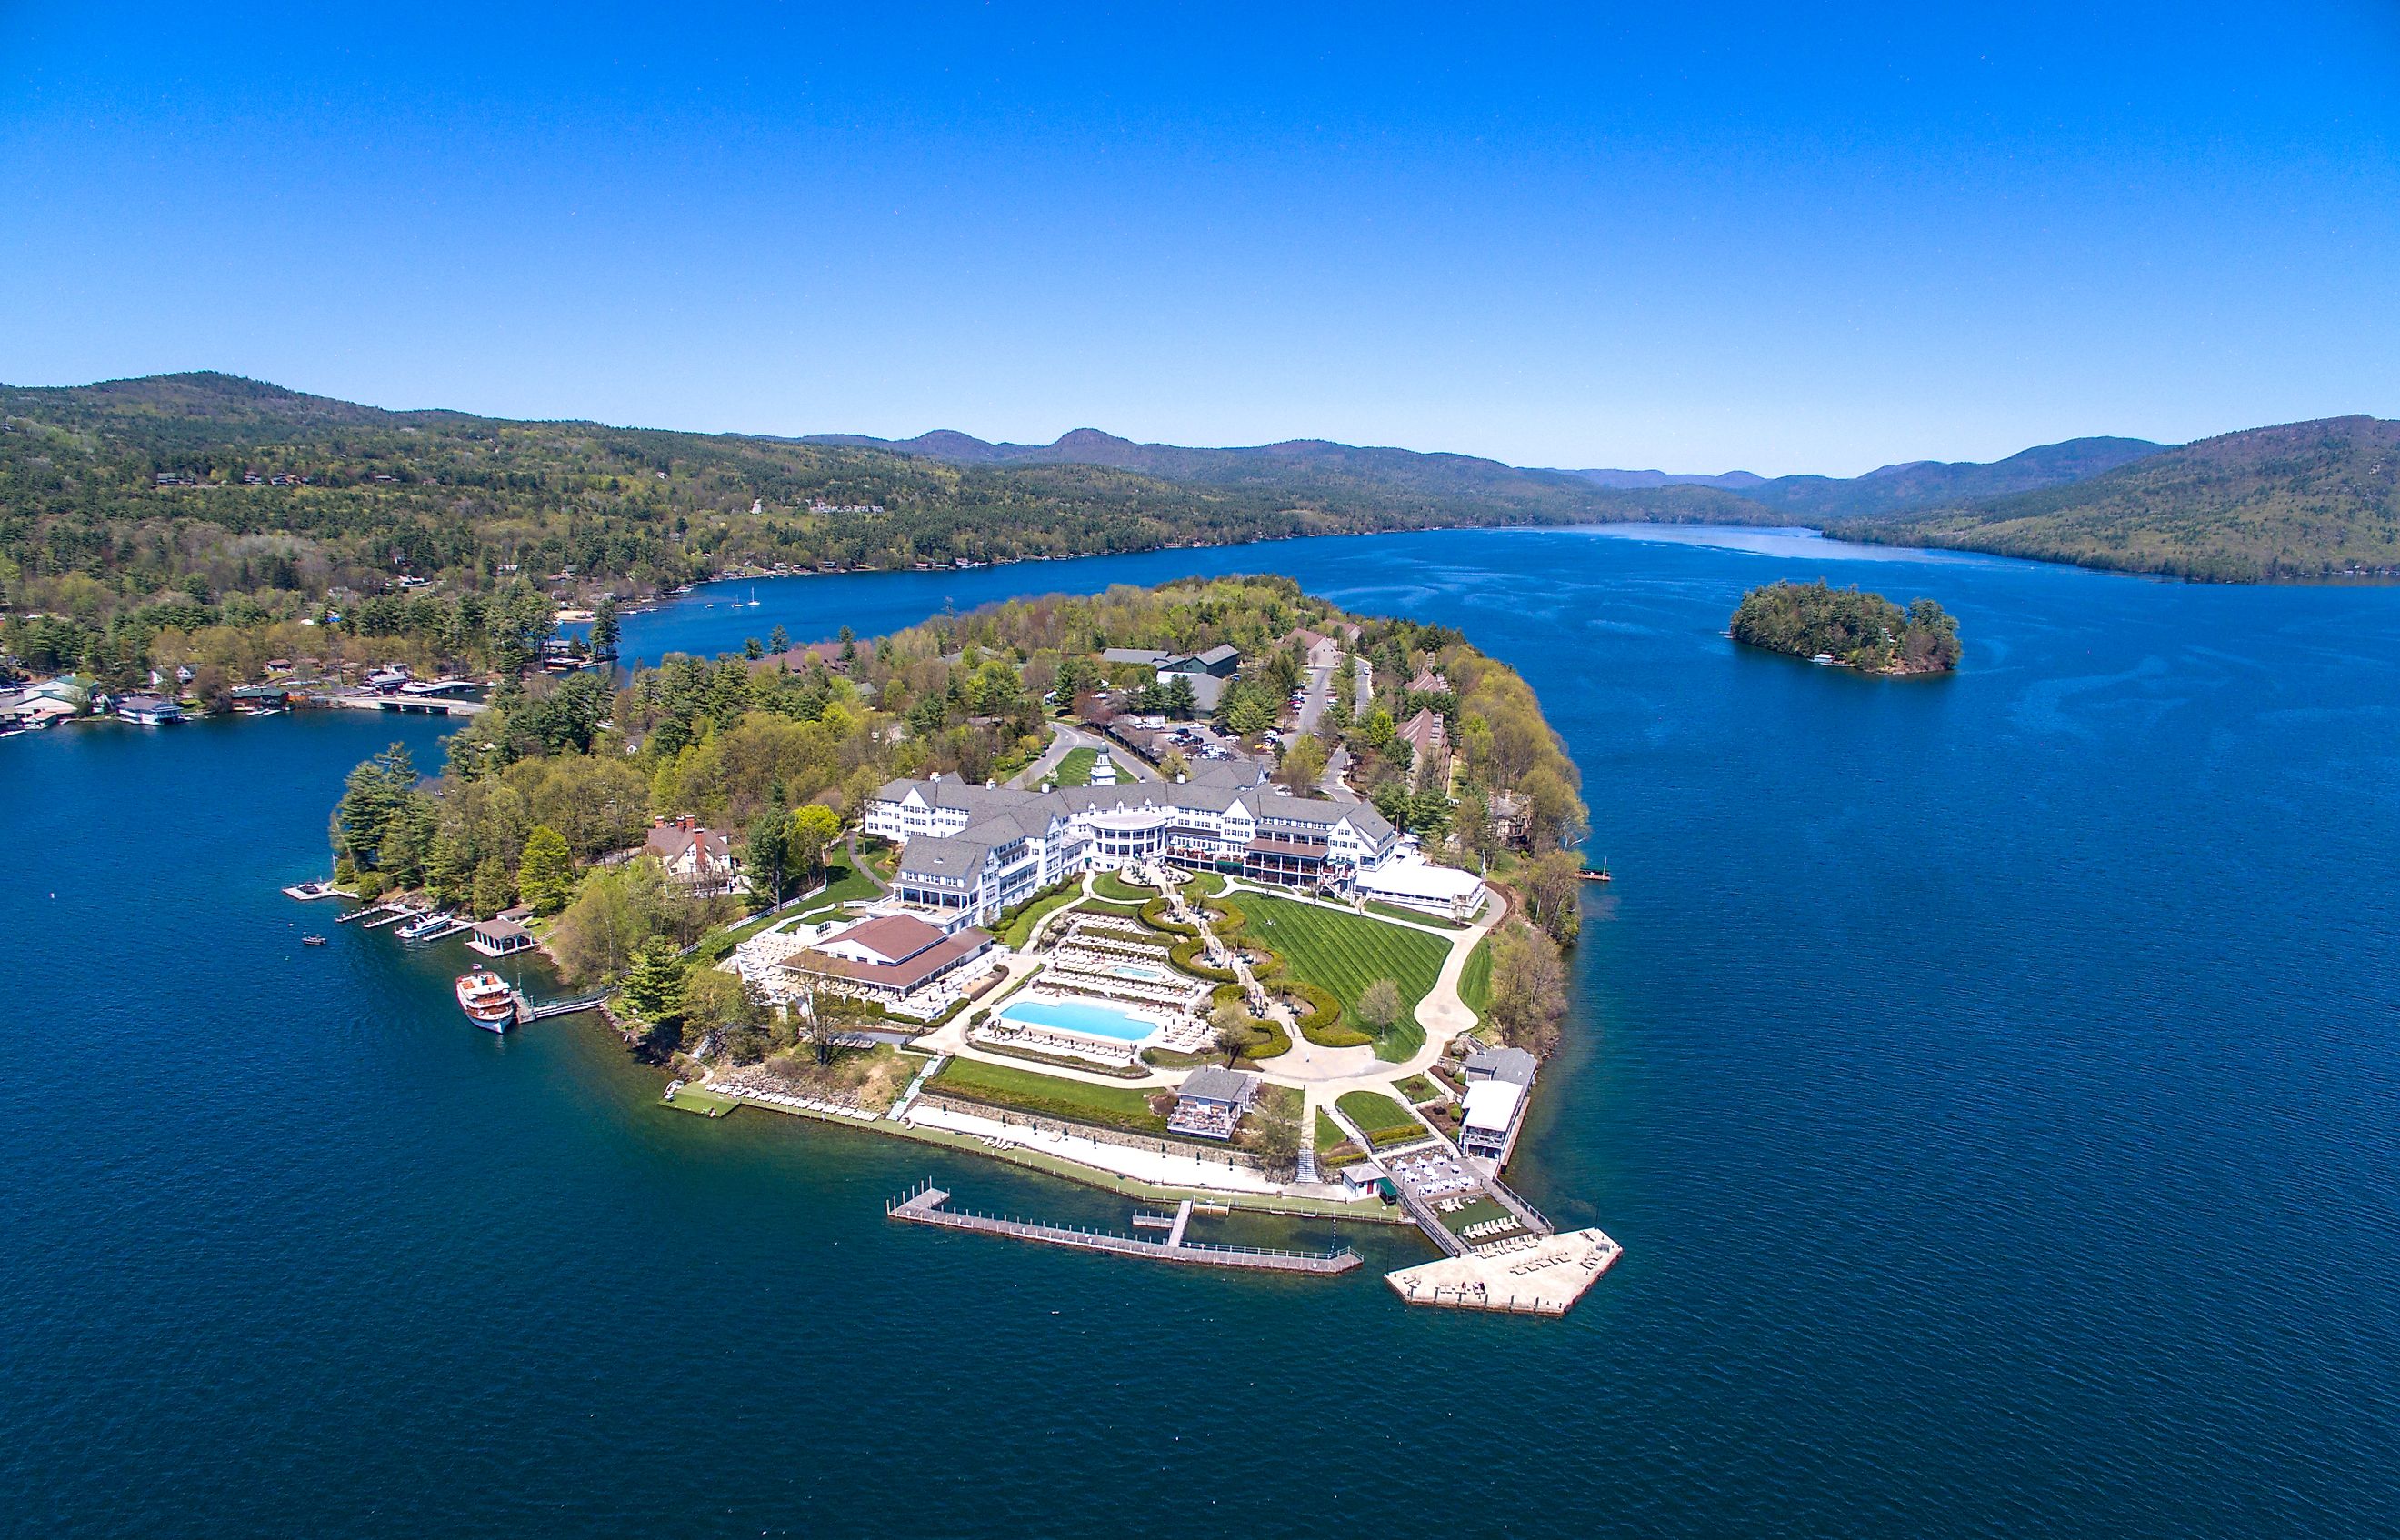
column 1109, row 885
column 1383, row 1120
column 1475, row 979
column 844, row 884
column 1204, row 885
column 1346, row 952
column 1110, row 1106
column 1076, row 769
column 1329, row 1136
column 698, row 1098
column 1021, row 930
column 1418, row 1088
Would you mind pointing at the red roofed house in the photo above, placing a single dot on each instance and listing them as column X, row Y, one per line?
column 887, row 958
column 700, row 860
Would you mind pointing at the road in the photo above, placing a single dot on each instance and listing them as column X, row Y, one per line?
column 1066, row 739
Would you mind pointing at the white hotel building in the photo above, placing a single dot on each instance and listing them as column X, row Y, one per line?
column 974, row 850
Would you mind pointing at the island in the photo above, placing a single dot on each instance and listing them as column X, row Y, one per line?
column 1846, row 628
column 1210, row 894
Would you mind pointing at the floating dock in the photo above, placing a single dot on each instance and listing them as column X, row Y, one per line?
column 1529, row 1275
column 924, row 1207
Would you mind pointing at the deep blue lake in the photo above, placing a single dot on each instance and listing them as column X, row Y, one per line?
column 1993, row 1081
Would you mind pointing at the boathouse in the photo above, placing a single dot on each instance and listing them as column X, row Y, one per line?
column 499, row 937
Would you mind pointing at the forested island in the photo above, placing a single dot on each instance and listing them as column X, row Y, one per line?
column 1857, row 630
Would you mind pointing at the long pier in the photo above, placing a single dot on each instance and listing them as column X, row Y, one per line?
column 924, row 1207
column 528, row 1011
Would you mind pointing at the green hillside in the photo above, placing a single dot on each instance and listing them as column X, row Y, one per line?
column 2302, row 502
column 207, row 486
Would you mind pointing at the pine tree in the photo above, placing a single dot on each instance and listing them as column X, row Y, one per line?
column 493, row 890
column 654, row 988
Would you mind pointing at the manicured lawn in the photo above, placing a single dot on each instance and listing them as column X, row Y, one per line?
column 1076, row 769
column 1475, row 979
column 1481, row 1212
column 844, row 884
column 1329, row 1136
column 1021, row 930
column 698, row 1098
column 1204, row 885
column 1110, row 1106
column 1383, row 1120
column 1110, row 886
column 1346, row 952
column 1418, row 1088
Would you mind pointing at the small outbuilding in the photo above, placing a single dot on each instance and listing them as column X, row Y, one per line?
column 1210, row 1101
column 499, row 937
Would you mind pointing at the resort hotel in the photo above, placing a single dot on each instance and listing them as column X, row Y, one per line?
column 973, row 851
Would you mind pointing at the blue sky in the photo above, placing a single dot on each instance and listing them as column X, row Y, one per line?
column 1606, row 235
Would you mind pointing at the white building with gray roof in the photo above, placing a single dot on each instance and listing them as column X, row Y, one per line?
column 973, row 850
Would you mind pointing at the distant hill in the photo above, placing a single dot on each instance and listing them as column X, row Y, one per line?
column 1929, row 484
column 2303, row 501
column 1731, row 480
column 210, row 482
column 1317, row 471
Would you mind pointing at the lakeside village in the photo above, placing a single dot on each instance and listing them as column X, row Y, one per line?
column 1178, row 952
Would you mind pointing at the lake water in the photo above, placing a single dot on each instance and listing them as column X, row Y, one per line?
column 1992, row 1080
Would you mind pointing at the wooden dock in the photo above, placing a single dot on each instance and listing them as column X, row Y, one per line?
column 924, row 1207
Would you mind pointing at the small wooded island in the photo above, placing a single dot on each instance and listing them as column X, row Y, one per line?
column 1847, row 626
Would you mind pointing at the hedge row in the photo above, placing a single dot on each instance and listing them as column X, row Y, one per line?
column 1186, row 956
column 1155, row 915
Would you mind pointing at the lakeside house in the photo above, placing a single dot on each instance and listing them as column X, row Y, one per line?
column 1429, row 681
column 1210, row 1101
column 973, row 851
column 1513, row 1065
column 149, row 711
column 887, row 958
column 697, row 859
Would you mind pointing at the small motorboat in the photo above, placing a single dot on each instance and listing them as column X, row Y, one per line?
column 488, row 1000
column 312, row 941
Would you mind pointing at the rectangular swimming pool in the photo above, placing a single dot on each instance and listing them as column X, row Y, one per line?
column 1088, row 1018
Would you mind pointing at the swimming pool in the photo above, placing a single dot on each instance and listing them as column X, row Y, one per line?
column 1077, row 1015
column 1135, row 970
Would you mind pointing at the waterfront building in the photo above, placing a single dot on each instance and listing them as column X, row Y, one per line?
column 1513, row 1065
column 1490, row 1113
column 1210, row 1101
column 970, row 852
column 499, row 937
column 150, row 711
column 887, row 958
column 1415, row 883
